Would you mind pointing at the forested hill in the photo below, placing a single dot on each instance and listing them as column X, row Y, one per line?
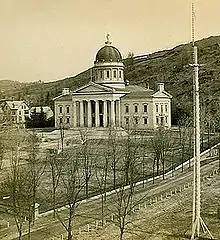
column 168, row 66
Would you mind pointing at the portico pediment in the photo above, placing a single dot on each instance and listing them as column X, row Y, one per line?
column 162, row 94
column 93, row 88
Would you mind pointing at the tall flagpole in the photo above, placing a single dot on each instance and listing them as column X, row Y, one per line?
column 197, row 221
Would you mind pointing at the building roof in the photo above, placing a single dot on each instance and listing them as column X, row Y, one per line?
column 14, row 104
column 108, row 53
column 64, row 97
column 137, row 92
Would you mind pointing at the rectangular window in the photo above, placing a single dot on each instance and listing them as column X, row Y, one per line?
column 108, row 74
column 161, row 108
column 127, row 109
column 119, row 74
column 67, row 109
column 68, row 120
column 157, row 120
column 166, row 119
column 162, row 121
column 145, row 108
column 127, row 120
column 166, row 108
column 61, row 109
column 136, row 120
column 101, row 74
column 157, row 108
column 135, row 108
column 19, row 112
column 115, row 74
column 145, row 121
column 61, row 120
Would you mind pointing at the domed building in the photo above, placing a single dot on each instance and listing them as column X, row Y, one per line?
column 109, row 100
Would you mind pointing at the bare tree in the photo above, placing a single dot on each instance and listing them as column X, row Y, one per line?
column 122, row 203
column 36, row 167
column 55, row 162
column 17, row 187
column 184, row 127
column 161, row 145
column 72, row 183
column 86, row 158
column 101, row 172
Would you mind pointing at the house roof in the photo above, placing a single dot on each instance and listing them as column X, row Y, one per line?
column 64, row 97
column 14, row 104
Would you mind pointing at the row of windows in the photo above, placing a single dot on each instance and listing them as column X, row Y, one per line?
column 25, row 112
column 107, row 74
column 145, row 108
column 162, row 106
column 161, row 120
column 136, row 120
column 67, row 109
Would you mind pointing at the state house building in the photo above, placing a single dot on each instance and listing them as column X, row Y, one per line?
column 109, row 100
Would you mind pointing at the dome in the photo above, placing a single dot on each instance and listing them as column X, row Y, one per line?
column 108, row 53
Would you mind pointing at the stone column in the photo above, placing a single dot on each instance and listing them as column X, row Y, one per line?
column 112, row 113
column 97, row 122
column 105, row 113
column 81, row 113
column 89, row 114
column 74, row 114
column 119, row 113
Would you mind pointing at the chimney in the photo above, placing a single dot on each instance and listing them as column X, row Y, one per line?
column 126, row 83
column 66, row 91
column 161, row 87
column 147, row 85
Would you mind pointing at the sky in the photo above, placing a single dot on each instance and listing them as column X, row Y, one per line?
column 49, row 40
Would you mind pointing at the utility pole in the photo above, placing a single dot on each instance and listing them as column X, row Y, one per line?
column 197, row 221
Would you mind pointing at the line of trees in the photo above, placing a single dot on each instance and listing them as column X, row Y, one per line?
column 87, row 168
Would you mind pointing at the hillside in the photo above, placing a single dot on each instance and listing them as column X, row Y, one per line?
column 168, row 66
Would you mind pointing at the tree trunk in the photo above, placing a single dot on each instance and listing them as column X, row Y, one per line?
column 29, row 229
column 114, row 174
column 153, row 169
column 121, row 233
column 54, row 203
column 102, row 210
column 158, row 166
column 87, row 186
column 19, row 234
column 163, row 163
column 70, row 225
